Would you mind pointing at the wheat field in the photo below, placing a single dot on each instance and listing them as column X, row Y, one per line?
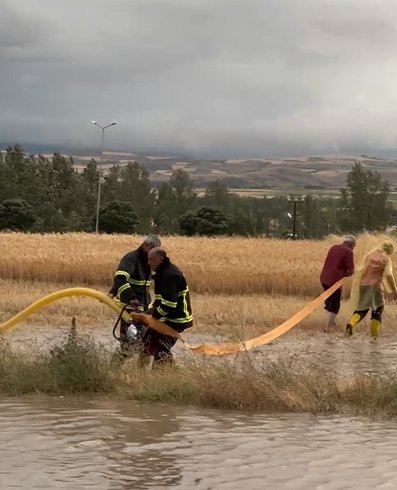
column 227, row 266
column 240, row 287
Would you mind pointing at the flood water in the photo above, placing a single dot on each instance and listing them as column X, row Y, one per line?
column 347, row 357
column 68, row 443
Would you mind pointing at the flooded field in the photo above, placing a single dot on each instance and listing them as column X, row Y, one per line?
column 68, row 443
column 111, row 443
column 355, row 355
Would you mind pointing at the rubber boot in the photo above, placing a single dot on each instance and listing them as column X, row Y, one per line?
column 374, row 328
column 353, row 322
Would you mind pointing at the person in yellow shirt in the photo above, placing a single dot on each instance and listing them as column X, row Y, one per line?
column 376, row 276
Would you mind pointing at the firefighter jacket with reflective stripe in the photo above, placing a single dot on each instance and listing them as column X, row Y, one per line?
column 171, row 297
column 132, row 279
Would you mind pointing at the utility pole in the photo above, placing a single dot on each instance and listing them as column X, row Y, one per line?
column 294, row 222
column 294, row 216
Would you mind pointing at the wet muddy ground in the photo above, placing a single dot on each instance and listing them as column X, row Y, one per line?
column 355, row 355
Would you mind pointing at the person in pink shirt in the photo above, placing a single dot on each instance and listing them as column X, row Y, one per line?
column 376, row 275
column 338, row 264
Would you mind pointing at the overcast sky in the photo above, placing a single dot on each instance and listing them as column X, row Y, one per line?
column 243, row 78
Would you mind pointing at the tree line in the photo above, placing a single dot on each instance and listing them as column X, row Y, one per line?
column 49, row 195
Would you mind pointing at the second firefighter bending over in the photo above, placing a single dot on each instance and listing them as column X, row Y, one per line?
column 171, row 305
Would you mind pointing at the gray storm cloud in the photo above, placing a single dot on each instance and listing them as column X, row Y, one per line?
column 217, row 78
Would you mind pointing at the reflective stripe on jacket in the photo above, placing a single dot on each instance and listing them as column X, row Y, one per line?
column 132, row 279
column 171, row 296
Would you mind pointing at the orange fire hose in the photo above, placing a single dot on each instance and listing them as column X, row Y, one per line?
column 208, row 349
column 233, row 348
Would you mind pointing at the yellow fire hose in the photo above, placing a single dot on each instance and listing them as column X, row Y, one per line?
column 209, row 349
column 224, row 349
column 64, row 293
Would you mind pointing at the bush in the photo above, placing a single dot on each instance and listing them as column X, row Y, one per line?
column 117, row 217
column 75, row 366
column 16, row 214
column 205, row 221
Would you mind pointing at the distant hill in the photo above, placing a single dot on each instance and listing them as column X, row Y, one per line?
column 314, row 172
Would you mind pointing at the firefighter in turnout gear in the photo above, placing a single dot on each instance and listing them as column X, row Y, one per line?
column 171, row 305
column 132, row 280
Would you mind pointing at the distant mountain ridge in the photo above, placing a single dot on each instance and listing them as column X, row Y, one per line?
column 314, row 172
column 311, row 172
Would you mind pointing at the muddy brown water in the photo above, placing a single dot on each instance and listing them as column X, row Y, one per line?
column 69, row 443
column 357, row 355
column 66, row 443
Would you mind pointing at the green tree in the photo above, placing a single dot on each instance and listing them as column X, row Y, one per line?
column 16, row 214
column 58, row 222
column 364, row 201
column 117, row 217
column 21, row 177
column 205, row 221
column 136, row 189
column 112, row 185
column 315, row 223
column 86, row 194
column 217, row 194
column 165, row 214
column 240, row 219
column 74, row 222
column 185, row 197
column 63, row 183
column 8, row 175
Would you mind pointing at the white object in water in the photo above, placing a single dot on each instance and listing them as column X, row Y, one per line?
column 132, row 333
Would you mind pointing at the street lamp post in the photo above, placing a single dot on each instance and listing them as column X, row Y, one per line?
column 102, row 128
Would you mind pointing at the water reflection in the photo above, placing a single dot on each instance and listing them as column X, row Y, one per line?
column 100, row 443
column 135, row 446
column 107, row 444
